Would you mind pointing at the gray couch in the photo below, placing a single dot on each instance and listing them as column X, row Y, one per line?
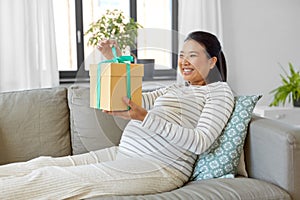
column 58, row 122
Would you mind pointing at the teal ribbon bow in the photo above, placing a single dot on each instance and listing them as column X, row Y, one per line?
column 121, row 59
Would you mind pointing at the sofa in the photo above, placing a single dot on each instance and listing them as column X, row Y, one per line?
column 58, row 121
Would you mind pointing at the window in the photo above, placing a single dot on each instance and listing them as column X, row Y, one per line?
column 154, row 39
column 72, row 18
column 65, row 28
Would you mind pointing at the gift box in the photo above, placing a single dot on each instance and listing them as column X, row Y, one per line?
column 110, row 82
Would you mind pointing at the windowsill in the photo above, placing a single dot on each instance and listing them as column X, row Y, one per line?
column 87, row 80
column 158, row 75
column 156, row 84
column 148, row 84
column 73, row 80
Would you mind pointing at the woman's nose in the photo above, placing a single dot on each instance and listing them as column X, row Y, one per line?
column 184, row 61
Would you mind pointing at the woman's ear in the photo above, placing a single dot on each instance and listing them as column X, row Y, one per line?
column 213, row 62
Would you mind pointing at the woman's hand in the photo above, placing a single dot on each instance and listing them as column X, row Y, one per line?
column 104, row 46
column 136, row 112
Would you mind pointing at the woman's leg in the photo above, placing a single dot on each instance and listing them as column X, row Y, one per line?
column 119, row 177
column 23, row 168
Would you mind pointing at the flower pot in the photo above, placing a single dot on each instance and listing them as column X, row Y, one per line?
column 296, row 102
column 148, row 68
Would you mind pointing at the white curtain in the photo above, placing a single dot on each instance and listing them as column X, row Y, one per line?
column 204, row 15
column 27, row 45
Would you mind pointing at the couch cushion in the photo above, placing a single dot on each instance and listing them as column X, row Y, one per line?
column 34, row 123
column 91, row 129
column 221, row 189
column 223, row 157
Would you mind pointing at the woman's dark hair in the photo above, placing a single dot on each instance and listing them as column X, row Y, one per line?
column 213, row 47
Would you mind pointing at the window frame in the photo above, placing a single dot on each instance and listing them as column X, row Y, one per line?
column 82, row 75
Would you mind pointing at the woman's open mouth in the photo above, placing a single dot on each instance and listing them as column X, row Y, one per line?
column 187, row 71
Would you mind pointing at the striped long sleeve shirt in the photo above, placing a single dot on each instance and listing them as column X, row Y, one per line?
column 182, row 122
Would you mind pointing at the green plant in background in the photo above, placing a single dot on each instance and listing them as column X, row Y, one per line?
column 114, row 25
column 290, row 88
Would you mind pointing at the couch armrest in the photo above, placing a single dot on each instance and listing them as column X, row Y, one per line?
column 272, row 154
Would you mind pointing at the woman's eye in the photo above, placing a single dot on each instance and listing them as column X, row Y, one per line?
column 193, row 55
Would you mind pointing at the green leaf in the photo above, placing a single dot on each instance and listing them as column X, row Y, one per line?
column 113, row 24
column 290, row 88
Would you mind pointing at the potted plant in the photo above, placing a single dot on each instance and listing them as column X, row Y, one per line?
column 289, row 90
column 114, row 25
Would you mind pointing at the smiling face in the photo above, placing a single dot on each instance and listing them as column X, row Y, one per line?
column 194, row 62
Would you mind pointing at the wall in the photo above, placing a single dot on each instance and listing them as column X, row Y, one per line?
column 257, row 36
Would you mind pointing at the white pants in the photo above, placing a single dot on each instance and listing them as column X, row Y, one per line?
column 92, row 174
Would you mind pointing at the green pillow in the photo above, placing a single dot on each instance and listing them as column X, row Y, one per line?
column 222, row 158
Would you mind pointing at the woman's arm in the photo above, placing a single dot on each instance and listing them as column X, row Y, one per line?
column 214, row 116
column 150, row 97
